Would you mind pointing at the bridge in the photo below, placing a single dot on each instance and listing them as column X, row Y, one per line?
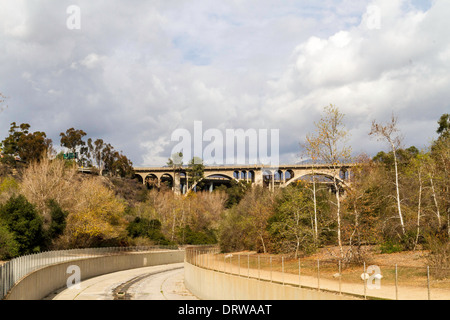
column 258, row 175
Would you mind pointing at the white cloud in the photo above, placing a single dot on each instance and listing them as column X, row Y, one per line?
column 136, row 72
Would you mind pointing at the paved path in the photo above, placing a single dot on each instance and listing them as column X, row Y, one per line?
column 165, row 282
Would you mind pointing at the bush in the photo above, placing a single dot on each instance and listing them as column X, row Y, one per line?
column 390, row 246
column 439, row 257
column 145, row 228
column 58, row 216
column 189, row 236
column 9, row 247
column 22, row 220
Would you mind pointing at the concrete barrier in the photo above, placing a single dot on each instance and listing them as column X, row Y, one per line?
column 40, row 283
column 213, row 285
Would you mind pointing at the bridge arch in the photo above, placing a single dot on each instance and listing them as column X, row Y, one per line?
column 139, row 178
column 289, row 174
column 214, row 174
column 151, row 181
column 167, row 180
column 320, row 175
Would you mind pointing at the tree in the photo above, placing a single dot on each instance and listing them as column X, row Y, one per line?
column 33, row 146
column 196, row 171
column 96, row 216
column 355, row 202
column 9, row 247
column 49, row 179
column 24, row 144
column 151, row 229
column 235, row 192
column 122, row 166
column 58, row 219
column 444, row 125
column 256, row 208
column 291, row 222
column 440, row 155
column 176, row 163
column 73, row 141
column 23, row 221
column 329, row 145
column 96, row 151
column 389, row 132
column 312, row 148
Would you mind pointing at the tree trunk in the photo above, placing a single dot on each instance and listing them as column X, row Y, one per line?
column 315, row 211
column 398, row 190
column 338, row 215
column 263, row 244
column 435, row 202
column 419, row 210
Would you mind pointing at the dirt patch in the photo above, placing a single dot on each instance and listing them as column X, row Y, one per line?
column 372, row 255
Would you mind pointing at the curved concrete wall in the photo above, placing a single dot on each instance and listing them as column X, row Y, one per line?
column 43, row 282
column 213, row 285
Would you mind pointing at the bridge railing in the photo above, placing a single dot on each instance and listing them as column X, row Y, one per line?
column 14, row 270
column 392, row 282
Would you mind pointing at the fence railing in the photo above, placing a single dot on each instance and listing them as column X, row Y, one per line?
column 364, row 281
column 12, row 271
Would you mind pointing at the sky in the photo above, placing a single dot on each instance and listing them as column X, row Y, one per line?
column 132, row 72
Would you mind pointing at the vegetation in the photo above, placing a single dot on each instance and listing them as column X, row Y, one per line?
column 398, row 200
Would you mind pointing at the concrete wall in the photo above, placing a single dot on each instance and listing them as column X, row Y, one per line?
column 213, row 285
column 43, row 282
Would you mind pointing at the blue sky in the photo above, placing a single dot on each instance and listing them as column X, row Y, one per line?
column 138, row 70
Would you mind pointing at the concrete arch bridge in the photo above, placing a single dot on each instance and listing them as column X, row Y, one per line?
column 258, row 175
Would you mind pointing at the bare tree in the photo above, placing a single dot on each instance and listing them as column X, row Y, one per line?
column 329, row 145
column 389, row 133
column 312, row 152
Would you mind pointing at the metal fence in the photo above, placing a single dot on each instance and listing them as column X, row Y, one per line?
column 391, row 282
column 12, row 271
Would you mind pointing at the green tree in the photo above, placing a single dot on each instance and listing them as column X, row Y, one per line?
column 196, row 172
column 9, row 247
column 122, row 166
column 58, row 219
column 151, row 229
column 290, row 227
column 24, row 222
column 444, row 125
column 96, row 151
column 72, row 139
column 29, row 146
column 235, row 192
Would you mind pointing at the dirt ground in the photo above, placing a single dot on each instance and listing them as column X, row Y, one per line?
column 372, row 255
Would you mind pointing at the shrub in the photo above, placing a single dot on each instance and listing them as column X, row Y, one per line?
column 58, row 216
column 192, row 237
column 439, row 258
column 26, row 225
column 145, row 228
column 390, row 246
column 9, row 247
column 96, row 218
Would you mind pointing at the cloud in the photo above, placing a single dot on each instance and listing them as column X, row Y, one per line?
column 138, row 70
